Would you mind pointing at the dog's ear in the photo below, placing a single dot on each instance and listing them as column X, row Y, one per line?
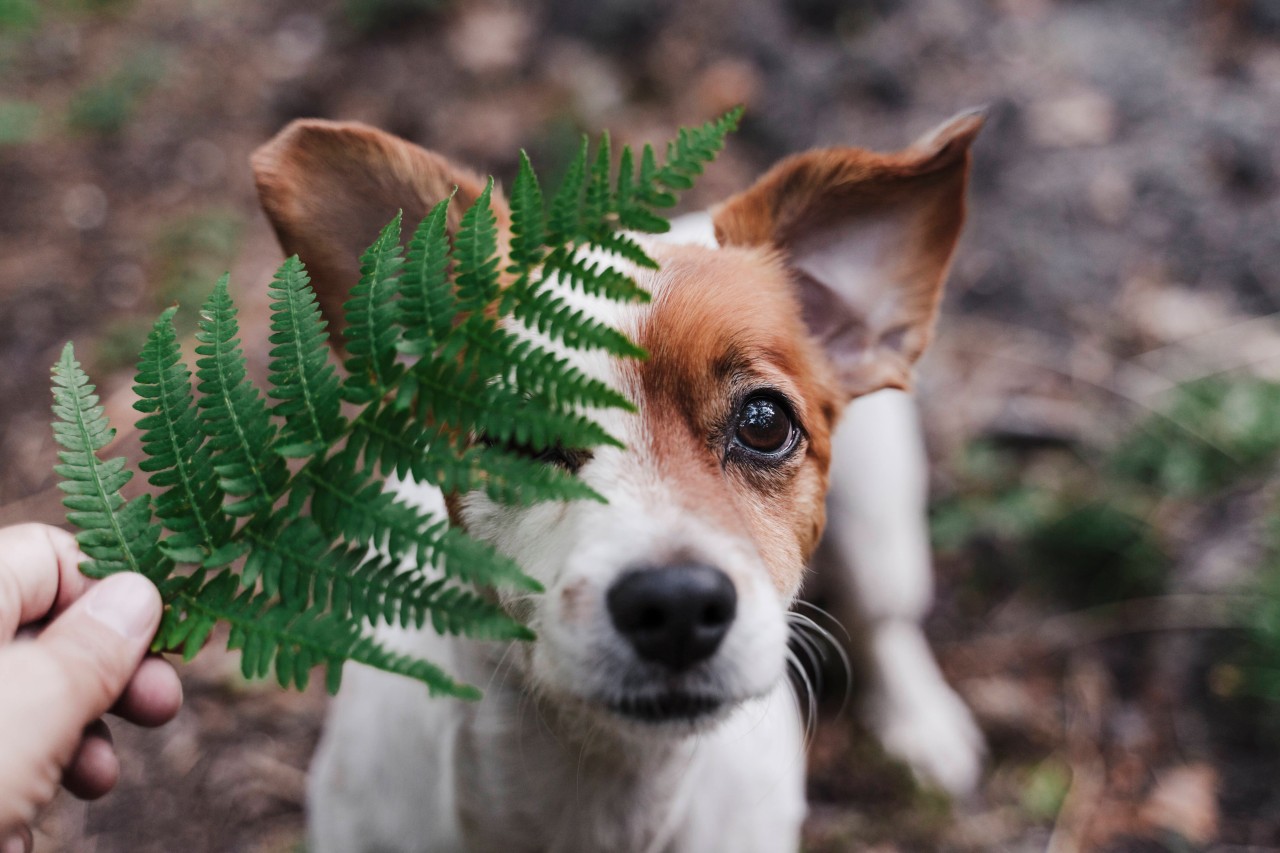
column 868, row 238
column 330, row 187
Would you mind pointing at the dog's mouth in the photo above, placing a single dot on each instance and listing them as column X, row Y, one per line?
column 672, row 706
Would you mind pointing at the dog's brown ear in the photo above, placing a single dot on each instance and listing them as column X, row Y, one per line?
column 330, row 187
column 869, row 238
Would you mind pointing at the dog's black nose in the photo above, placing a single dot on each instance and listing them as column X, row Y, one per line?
column 674, row 615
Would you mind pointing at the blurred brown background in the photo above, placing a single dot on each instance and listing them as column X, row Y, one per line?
column 1100, row 403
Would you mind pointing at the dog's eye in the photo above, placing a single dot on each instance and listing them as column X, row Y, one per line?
column 569, row 459
column 764, row 426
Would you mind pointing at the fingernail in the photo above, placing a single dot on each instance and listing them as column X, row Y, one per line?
column 125, row 603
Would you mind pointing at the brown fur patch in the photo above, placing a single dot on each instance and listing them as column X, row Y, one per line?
column 723, row 324
column 330, row 187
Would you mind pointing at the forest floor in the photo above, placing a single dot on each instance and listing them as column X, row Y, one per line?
column 1100, row 401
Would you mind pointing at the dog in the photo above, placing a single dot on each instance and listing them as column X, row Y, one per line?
column 653, row 711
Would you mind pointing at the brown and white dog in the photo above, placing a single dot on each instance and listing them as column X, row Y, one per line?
column 653, row 712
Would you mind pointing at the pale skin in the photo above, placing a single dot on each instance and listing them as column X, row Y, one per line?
column 71, row 650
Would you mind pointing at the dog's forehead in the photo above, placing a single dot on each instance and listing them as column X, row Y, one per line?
column 719, row 321
column 720, row 316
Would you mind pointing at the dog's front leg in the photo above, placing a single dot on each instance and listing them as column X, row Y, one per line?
column 878, row 543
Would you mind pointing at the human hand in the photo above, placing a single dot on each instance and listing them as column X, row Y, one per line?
column 71, row 649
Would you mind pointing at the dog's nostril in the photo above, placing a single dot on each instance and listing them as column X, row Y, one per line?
column 673, row 615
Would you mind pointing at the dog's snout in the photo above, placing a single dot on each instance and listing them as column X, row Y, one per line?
column 674, row 615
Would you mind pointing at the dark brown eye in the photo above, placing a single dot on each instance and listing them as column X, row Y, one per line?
column 569, row 459
column 764, row 425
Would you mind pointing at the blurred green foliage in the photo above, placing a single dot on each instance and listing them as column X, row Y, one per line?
column 19, row 15
column 1215, row 432
column 1045, row 789
column 1257, row 659
column 191, row 252
column 118, row 343
column 105, row 107
column 27, row 16
column 1076, row 523
column 1096, row 553
column 556, row 143
column 19, row 122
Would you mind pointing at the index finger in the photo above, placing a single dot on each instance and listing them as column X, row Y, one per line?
column 39, row 573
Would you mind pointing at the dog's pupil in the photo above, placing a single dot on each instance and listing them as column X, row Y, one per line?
column 763, row 426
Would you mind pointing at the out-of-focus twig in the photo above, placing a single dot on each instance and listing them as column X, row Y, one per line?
column 1088, row 694
column 1070, row 631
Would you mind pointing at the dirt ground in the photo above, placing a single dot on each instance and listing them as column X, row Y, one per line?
column 1123, row 242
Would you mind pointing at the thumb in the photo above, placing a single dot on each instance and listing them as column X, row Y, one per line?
column 54, row 686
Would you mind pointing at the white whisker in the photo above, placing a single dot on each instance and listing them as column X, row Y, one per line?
column 806, row 706
column 818, row 641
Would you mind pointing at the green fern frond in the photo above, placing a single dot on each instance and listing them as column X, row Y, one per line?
column 564, row 219
column 294, row 643
column 233, row 413
column 393, row 442
column 189, row 502
column 302, row 379
column 550, row 379
column 115, row 535
column 512, row 479
column 427, row 305
column 373, row 328
column 550, row 314
column 457, row 364
column 693, row 148
column 350, row 505
column 476, row 256
column 528, row 219
column 597, row 204
column 500, row 413
column 618, row 243
column 594, row 278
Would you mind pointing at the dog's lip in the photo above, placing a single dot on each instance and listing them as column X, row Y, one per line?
column 669, row 706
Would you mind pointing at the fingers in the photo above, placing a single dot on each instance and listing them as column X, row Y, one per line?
column 95, row 769
column 59, row 683
column 39, row 573
column 19, row 841
column 39, row 576
column 153, row 696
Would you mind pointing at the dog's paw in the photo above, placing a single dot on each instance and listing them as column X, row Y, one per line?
column 939, row 740
column 918, row 717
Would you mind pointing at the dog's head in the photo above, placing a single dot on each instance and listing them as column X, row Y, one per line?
column 667, row 604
